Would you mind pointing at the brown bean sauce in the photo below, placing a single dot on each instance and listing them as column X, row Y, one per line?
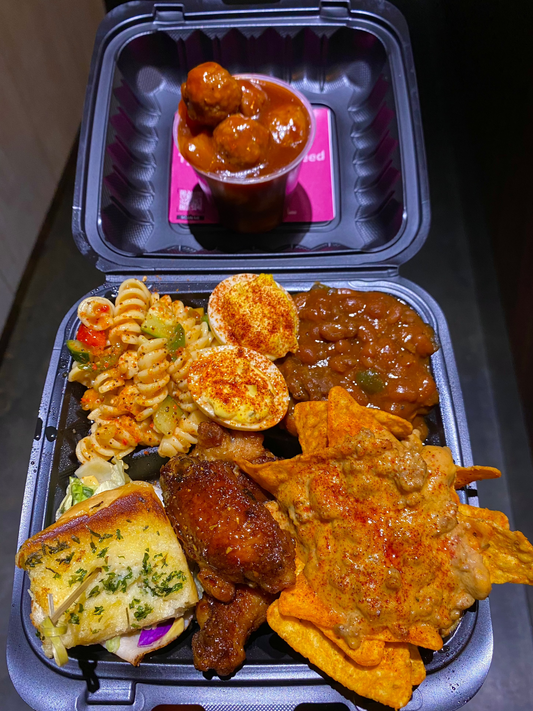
column 369, row 343
column 280, row 114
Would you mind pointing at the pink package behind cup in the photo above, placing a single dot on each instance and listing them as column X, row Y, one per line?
column 313, row 199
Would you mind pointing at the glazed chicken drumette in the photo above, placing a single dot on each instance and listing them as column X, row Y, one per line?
column 222, row 520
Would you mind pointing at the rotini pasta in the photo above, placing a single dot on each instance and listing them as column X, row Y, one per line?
column 131, row 306
column 80, row 375
column 128, row 364
column 152, row 378
column 130, row 373
column 113, row 405
column 179, row 369
column 198, row 337
column 149, row 435
column 183, row 437
column 178, row 386
column 184, row 314
column 126, row 400
column 108, row 380
column 115, row 438
column 96, row 312
column 101, row 407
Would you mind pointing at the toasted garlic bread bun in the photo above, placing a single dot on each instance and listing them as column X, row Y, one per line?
column 238, row 388
column 254, row 311
column 123, row 543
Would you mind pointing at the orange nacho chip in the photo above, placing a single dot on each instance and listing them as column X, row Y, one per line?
column 497, row 517
column 419, row 635
column 399, row 427
column 346, row 419
column 301, row 601
column 507, row 554
column 269, row 475
column 368, row 654
column 389, row 682
column 466, row 475
column 418, row 670
column 311, row 420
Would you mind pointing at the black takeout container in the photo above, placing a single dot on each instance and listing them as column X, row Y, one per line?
column 354, row 58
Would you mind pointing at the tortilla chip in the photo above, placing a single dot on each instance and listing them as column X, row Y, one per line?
column 497, row 517
column 388, row 683
column 311, row 422
column 269, row 475
column 507, row 554
column 312, row 419
column 418, row 670
column 466, row 475
column 399, row 427
column 419, row 635
column 368, row 654
column 279, row 516
column 346, row 419
column 301, row 601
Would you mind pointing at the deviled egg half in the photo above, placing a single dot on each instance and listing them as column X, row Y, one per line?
column 239, row 388
column 254, row 311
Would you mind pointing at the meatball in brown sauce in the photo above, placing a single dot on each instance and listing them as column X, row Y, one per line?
column 199, row 150
column 234, row 125
column 210, row 94
column 241, row 142
column 254, row 100
column 288, row 126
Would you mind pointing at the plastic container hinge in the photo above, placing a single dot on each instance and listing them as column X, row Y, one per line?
column 334, row 8
column 168, row 13
column 110, row 691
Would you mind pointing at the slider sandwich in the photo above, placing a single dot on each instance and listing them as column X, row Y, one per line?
column 109, row 571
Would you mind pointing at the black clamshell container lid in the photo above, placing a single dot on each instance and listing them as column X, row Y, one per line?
column 354, row 58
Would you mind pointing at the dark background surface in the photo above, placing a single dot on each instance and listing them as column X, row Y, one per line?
column 474, row 65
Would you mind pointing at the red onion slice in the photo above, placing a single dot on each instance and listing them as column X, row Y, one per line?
column 151, row 634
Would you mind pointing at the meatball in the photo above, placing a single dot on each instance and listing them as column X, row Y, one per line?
column 241, row 142
column 210, row 94
column 254, row 99
column 199, row 151
column 288, row 126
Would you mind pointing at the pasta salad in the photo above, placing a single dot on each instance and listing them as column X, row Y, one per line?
column 133, row 357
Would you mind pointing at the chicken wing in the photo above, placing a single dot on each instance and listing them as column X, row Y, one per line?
column 225, row 628
column 223, row 520
column 219, row 516
column 216, row 442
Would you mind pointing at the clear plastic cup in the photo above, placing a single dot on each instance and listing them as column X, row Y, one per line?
column 254, row 204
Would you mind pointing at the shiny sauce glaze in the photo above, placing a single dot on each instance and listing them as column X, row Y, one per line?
column 371, row 344
column 267, row 133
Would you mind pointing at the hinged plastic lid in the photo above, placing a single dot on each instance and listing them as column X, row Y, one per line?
column 352, row 60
